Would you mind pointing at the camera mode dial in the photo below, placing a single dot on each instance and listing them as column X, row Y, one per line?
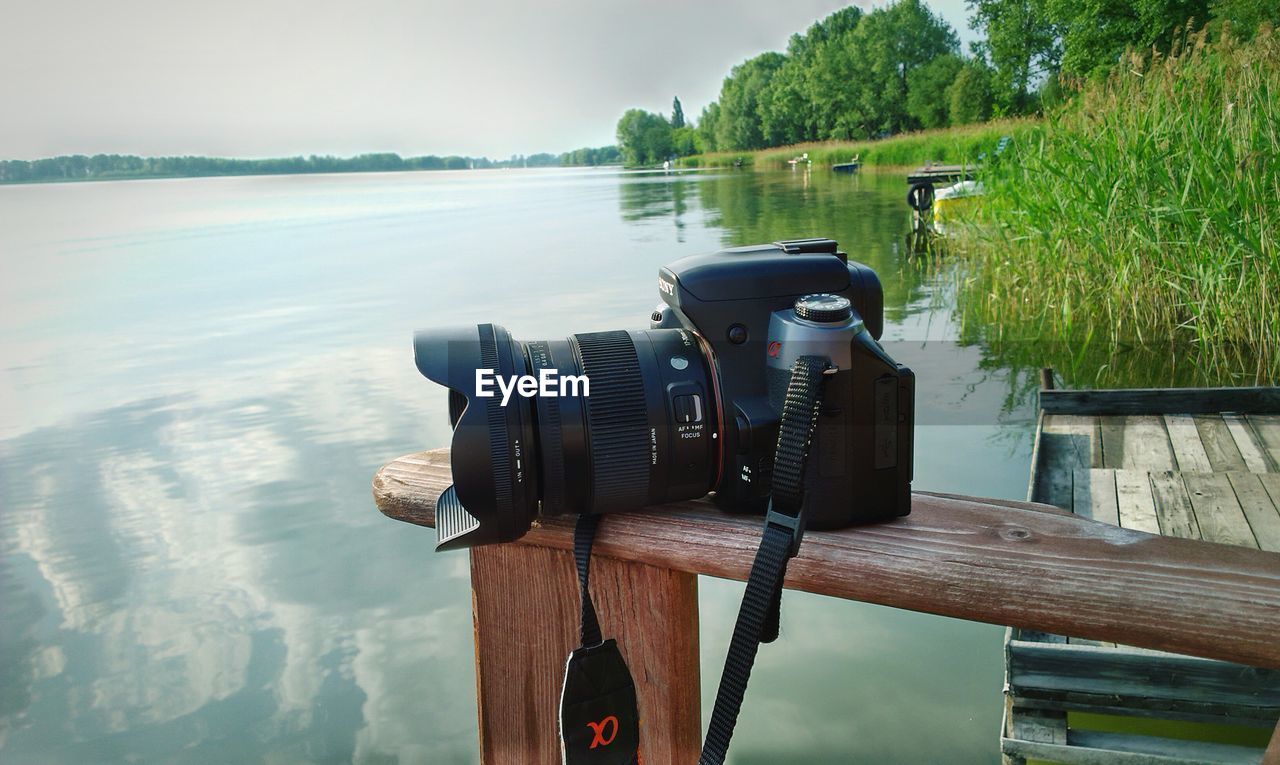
column 824, row 308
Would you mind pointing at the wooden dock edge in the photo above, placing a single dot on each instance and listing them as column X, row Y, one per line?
column 1247, row 400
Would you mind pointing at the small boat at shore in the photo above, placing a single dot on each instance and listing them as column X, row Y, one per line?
column 951, row 201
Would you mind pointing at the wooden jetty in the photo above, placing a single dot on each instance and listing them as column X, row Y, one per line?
column 941, row 174
column 1200, row 464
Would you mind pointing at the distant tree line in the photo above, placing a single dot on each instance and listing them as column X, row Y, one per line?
column 856, row 75
column 587, row 157
column 119, row 166
column 645, row 138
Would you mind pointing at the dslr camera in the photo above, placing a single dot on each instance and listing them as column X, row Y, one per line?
column 603, row 422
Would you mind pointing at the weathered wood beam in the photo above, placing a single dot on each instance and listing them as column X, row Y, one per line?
column 984, row 560
column 1261, row 400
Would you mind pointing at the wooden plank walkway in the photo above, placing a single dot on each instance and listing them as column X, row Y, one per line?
column 1153, row 461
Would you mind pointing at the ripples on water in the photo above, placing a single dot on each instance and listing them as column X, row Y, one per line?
column 199, row 377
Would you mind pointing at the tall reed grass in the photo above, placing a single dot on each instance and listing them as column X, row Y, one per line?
column 956, row 145
column 1145, row 212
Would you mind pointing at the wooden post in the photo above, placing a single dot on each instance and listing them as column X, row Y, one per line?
column 1046, row 378
column 525, row 601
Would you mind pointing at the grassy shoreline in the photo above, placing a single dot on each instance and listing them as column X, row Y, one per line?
column 955, row 145
column 1143, row 215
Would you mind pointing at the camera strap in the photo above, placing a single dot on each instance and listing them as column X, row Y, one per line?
column 759, row 614
column 599, row 719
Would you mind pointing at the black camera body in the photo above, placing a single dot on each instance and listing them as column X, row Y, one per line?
column 743, row 302
column 688, row 407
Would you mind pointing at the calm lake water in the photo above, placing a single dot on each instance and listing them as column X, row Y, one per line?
column 198, row 378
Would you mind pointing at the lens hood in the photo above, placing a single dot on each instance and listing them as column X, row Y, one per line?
column 493, row 497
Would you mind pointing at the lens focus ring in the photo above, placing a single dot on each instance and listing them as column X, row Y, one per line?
column 617, row 420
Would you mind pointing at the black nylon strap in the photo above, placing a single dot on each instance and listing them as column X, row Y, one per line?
column 599, row 717
column 758, row 616
column 584, row 533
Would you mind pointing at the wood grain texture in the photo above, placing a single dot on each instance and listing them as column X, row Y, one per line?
column 1065, row 442
column 1218, row 509
column 1267, row 426
column 526, row 622
column 1142, row 679
column 1173, row 506
column 1161, row 401
column 1218, row 443
column 1136, row 504
column 1251, row 449
column 1186, row 443
column 1259, row 509
column 1094, row 496
column 1136, row 442
column 983, row 560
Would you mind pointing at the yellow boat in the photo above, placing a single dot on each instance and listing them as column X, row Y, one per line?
column 951, row 203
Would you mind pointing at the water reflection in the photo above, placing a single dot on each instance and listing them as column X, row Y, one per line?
column 865, row 214
column 201, row 376
column 207, row 577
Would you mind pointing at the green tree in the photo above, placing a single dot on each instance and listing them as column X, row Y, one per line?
column 685, row 141
column 784, row 108
column 657, row 141
column 738, row 125
column 677, row 113
column 885, row 48
column 708, row 122
column 1244, row 16
column 644, row 137
column 788, row 109
column 969, row 98
column 1096, row 33
column 927, row 91
column 1023, row 42
column 835, row 90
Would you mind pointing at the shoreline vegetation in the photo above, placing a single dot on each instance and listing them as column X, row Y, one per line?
column 115, row 167
column 1142, row 216
column 954, row 145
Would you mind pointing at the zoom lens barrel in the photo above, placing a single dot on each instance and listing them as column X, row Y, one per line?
column 619, row 420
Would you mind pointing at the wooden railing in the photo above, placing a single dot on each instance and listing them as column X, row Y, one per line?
column 996, row 561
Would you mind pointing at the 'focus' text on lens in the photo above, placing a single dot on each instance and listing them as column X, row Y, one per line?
column 549, row 382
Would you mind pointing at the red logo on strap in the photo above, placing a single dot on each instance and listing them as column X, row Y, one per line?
column 597, row 728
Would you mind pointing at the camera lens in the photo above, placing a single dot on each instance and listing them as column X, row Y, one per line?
column 598, row 422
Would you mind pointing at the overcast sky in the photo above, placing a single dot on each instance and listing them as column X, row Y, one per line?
column 257, row 78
